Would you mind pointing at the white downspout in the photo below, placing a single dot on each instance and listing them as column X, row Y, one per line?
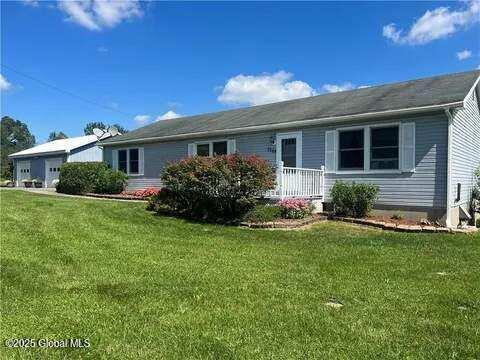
column 449, row 167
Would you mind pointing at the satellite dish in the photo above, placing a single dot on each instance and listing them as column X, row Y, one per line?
column 113, row 130
column 98, row 132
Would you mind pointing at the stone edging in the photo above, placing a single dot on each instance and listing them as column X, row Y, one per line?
column 293, row 224
column 402, row 227
column 115, row 197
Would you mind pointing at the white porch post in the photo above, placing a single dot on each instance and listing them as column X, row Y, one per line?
column 280, row 179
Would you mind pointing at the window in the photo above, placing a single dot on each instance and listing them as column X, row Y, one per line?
column 133, row 161
column 122, row 161
column 384, row 148
column 203, row 149
column 212, row 148
column 220, row 148
column 130, row 161
column 351, row 145
column 289, row 152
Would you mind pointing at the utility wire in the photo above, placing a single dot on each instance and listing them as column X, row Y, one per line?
column 66, row 92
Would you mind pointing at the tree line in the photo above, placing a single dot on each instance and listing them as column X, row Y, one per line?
column 15, row 136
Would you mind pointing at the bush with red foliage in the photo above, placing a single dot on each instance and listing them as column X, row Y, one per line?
column 220, row 188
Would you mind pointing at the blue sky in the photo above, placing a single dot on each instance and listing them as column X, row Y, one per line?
column 145, row 60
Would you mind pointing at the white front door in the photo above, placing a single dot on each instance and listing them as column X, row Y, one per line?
column 289, row 149
column 23, row 172
column 52, row 170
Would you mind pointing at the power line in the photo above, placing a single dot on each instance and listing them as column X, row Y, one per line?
column 66, row 92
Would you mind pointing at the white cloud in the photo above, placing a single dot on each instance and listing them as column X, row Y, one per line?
column 142, row 119
column 435, row 24
column 168, row 115
column 333, row 88
column 33, row 3
column 263, row 89
column 4, row 84
column 99, row 14
column 102, row 49
column 465, row 54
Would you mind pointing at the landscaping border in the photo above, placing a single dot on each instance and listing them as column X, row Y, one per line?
column 116, row 197
column 290, row 224
column 403, row 227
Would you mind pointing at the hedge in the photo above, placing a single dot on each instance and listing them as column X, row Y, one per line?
column 90, row 177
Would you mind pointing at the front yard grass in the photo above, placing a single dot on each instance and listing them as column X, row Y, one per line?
column 144, row 286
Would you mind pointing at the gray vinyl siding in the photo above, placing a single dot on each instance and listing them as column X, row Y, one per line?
column 37, row 165
column 87, row 153
column 426, row 187
column 465, row 149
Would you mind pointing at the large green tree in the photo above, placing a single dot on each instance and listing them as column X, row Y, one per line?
column 15, row 136
column 88, row 130
column 56, row 135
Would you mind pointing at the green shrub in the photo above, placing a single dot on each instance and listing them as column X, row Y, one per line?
column 264, row 213
column 351, row 199
column 397, row 216
column 220, row 188
column 478, row 223
column 85, row 177
column 110, row 182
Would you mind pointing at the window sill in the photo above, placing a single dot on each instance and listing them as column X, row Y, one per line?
column 368, row 172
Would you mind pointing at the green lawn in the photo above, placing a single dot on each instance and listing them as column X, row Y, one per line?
column 143, row 286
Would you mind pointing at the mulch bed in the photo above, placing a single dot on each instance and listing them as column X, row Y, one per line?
column 403, row 225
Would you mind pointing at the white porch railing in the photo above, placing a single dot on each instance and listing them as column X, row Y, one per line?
column 298, row 182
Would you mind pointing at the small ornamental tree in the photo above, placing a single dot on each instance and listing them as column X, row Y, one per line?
column 216, row 188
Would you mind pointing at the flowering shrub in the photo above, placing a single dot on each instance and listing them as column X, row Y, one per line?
column 220, row 188
column 295, row 208
column 146, row 193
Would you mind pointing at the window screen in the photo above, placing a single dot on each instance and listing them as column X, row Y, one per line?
column 203, row 149
column 289, row 152
column 133, row 161
column 384, row 148
column 122, row 160
column 351, row 145
column 220, row 148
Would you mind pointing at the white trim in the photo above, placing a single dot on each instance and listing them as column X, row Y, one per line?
column 140, row 166
column 448, row 219
column 366, row 149
column 297, row 135
column 472, row 89
column 291, row 124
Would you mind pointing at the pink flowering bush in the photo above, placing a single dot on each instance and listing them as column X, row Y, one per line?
column 295, row 208
column 146, row 193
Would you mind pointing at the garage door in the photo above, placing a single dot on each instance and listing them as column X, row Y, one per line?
column 52, row 170
column 23, row 172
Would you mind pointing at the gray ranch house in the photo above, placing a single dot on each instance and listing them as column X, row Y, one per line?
column 418, row 140
column 42, row 162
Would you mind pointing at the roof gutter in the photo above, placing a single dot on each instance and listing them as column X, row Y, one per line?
column 291, row 124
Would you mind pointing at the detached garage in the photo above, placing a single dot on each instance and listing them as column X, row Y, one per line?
column 42, row 163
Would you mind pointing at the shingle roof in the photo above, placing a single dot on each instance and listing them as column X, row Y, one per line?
column 437, row 90
column 57, row 146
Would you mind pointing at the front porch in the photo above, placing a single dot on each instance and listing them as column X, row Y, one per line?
column 293, row 182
